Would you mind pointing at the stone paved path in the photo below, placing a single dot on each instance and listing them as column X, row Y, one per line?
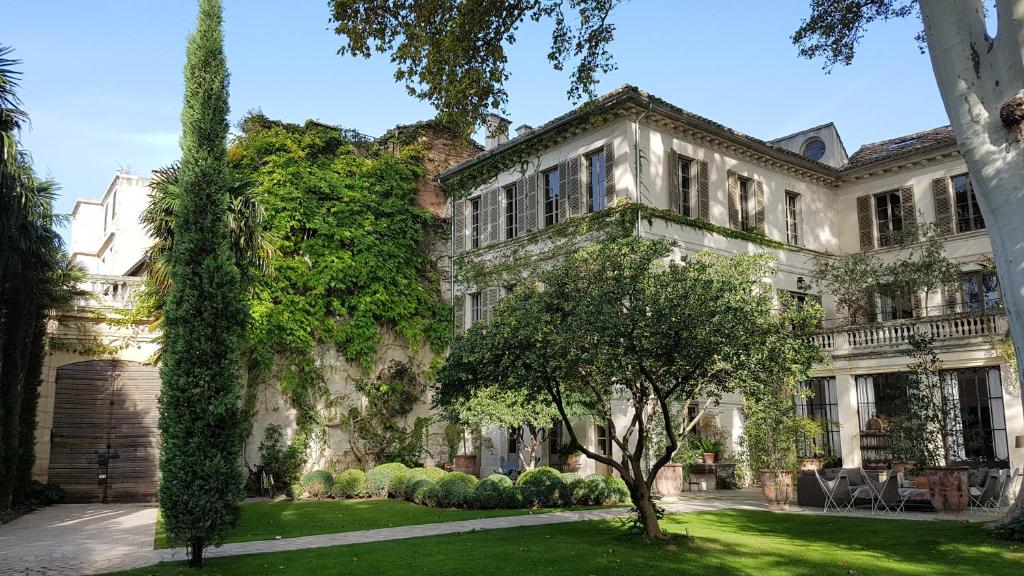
column 91, row 539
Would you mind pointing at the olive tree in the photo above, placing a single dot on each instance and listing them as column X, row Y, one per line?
column 617, row 326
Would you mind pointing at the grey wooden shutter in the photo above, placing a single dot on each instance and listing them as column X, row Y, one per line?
column 563, row 191
column 574, row 188
column 531, row 204
column 865, row 223
column 520, row 206
column 459, row 307
column 759, row 206
column 493, row 216
column 489, row 297
column 703, row 192
column 733, row 184
column 909, row 212
column 920, row 305
column 609, row 174
column 459, row 226
column 672, row 177
column 943, row 206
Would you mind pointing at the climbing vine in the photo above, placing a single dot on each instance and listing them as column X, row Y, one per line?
column 351, row 255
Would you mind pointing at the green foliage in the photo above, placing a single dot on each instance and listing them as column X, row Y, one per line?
column 453, row 54
column 350, row 484
column 284, row 463
column 588, row 491
column 296, row 490
column 377, row 425
column 617, row 489
column 455, row 490
column 543, row 487
column 424, row 492
column 834, row 29
column 493, row 492
column 378, row 480
column 318, row 484
column 851, row 279
column 201, row 423
column 434, row 473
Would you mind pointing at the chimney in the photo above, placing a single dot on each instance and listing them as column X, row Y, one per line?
column 497, row 131
column 523, row 130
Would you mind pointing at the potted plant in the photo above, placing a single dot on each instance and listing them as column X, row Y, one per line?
column 928, row 432
column 570, row 456
column 709, row 449
column 453, row 435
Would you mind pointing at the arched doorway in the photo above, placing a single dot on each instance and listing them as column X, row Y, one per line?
column 105, row 441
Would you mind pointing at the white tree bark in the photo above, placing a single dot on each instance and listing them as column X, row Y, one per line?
column 976, row 74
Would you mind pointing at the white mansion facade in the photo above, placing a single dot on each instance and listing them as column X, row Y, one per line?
column 798, row 198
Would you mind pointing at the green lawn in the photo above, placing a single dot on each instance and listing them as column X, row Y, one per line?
column 724, row 542
column 287, row 518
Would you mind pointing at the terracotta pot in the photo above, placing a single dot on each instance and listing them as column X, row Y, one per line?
column 903, row 467
column 466, row 463
column 709, row 457
column 921, row 481
column 811, row 463
column 948, row 488
column 777, row 486
column 669, row 481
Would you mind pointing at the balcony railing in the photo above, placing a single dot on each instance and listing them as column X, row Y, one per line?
column 108, row 291
column 894, row 334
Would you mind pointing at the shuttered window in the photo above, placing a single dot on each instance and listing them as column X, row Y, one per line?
column 474, row 218
column 793, row 218
column 604, row 441
column 888, row 217
column 511, row 212
column 596, row 182
column 685, row 188
column 476, row 307
column 551, row 183
column 744, row 205
column 968, row 214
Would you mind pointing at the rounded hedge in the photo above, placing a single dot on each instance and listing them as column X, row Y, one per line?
column 403, row 488
column 543, row 487
column 378, row 480
column 589, row 491
column 350, row 484
column 318, row 483
column 422, row 492
column 296, row 490
column 434, row 473
column 617, row 489
column 455, row 490
column 493, row 492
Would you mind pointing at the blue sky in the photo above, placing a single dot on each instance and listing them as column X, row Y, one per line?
column 103, row 78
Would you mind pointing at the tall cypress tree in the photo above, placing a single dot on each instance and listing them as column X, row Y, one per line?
column 201, row 481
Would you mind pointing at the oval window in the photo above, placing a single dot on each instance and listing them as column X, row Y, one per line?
column 814, row 148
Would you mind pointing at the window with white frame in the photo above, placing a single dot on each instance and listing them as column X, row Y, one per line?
column 745, row 190
column 685, row 187
column 595, row 181
column 979, row 290
column 888, row 217
column 895, row 303
column 968, row 214
column 793, row 218
column 475, row 307
column 474, row 219
column 511, row 212
column 604, row 440
column 551, row 183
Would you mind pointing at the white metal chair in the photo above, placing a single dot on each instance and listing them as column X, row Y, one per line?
column 887, row 495
column 837, row 491
column 987, row 497
column 1006, row 492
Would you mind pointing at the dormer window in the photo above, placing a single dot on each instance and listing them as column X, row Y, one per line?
column 813, row 148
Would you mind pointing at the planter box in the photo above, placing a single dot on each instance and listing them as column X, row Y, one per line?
column 948, row 488
column 669, row 481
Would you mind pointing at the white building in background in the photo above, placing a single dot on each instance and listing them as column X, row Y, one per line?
column 803, row 194
column 107, row 237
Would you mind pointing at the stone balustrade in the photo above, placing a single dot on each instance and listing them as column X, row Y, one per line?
column 895, row 334
column 108, row 291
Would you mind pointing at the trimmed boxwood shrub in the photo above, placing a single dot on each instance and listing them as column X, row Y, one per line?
column 423, row 492
column 378, row 480
column 318, row 483
column 493, row 492
column 434, row 473
column 455, row 490
column 350, row 484
column 617, row 489
column 543, row 487
column 296, row 491
column 589, row 491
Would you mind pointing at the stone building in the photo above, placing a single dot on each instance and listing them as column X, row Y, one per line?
column 798, row 198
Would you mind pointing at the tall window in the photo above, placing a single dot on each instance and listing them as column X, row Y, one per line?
column 475, row 308
column 979, row 291
column 881, row 395
column 604, row 440
column 685, row 186
column 982, row 417
column 821, row 404
column 595, row 181
column 793, row 218
column 968, row 214
column 889, row 217
column 474, row 228
column 512, row 440
column 554, row 438
column 895, row 304
column 745, row 204
column 511, row 212
column 551, row 197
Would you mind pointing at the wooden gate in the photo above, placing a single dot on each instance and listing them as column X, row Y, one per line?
column 105, row 442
